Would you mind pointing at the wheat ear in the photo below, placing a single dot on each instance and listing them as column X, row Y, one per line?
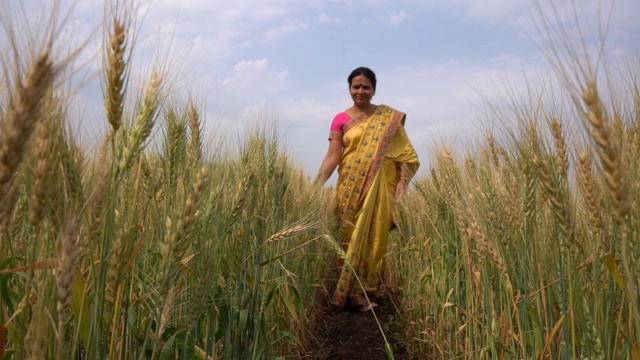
column 239, row 199
column 165, row 316
column 617, row 187
column 72, row 162
column 555, row 195
column 609, row 153
column 292, row 231
column 195, row 140
column 144, row 124
column 115, row 74
column 494, row 153
column 199, row 293
column 493, row 253
column 174, row 245
column 116, row 260
column 41, row 174
column 20, row 123
column 562, row 157
column 66, row 276
column 97, row 203
column 590, row 191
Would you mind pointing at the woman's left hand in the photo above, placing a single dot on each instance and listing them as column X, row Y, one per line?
column 400, row 190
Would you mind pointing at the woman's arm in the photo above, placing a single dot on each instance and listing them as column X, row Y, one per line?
column 406, row 172
column 330, row 161
column 403, row 182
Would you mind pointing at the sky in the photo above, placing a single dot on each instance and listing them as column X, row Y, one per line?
column 289, row 59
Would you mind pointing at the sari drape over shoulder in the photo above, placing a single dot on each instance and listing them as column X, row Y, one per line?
column 375, row 148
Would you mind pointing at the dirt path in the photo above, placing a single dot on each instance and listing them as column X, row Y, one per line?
column 351, row 335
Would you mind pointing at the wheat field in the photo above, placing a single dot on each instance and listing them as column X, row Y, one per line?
column 159, row 244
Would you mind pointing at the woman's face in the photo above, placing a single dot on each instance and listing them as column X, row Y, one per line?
column 361, row 91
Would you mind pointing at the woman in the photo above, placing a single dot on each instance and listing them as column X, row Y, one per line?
column 376, row 161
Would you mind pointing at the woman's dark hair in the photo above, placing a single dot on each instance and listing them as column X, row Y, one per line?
column 368, row 73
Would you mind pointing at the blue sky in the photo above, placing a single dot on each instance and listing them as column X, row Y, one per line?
column 289, row 59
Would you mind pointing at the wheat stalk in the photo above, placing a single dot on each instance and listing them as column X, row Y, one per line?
column 36, row 331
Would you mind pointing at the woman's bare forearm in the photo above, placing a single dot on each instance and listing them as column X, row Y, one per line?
column 328, row 167
column 330, row 162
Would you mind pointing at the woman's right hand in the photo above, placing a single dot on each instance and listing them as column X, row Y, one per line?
column 330, row 162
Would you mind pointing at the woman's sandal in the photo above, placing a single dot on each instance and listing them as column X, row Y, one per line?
column 367, row 307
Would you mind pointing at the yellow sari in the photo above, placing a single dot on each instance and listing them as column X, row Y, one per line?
column 375, row 147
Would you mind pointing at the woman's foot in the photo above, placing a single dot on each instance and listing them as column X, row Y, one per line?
column 367, row 307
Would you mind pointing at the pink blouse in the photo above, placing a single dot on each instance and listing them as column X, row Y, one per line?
column 336, row 126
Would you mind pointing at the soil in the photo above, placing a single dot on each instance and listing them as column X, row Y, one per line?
column 351, row 335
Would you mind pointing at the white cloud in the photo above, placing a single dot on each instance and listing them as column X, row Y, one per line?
column 397, row 18
column 495, row 11
column 283, row 30
column 258, row 65
column 252, row 79
column 325, row 19
column 268, row 12
column 621, row 15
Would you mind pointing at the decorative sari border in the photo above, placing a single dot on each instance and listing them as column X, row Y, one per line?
column 339, row 301
column 334, row 135
column 355, row 121
column 382, row 150
column 370, row 150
